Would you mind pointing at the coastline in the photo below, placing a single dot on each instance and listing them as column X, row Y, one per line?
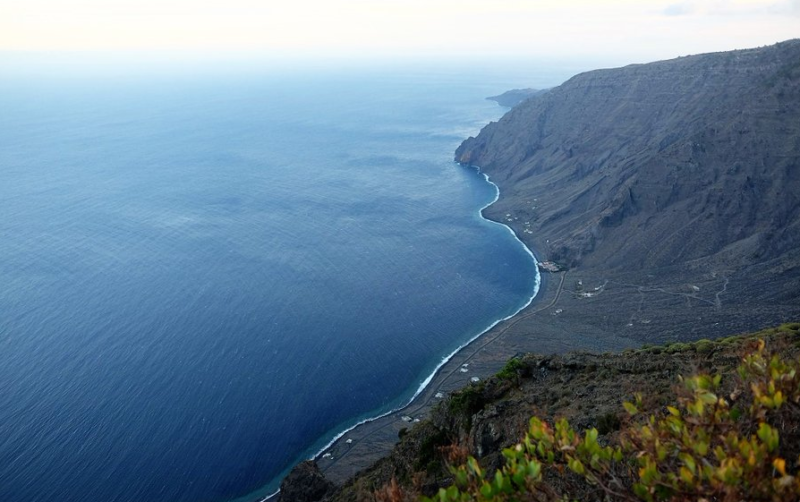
column 619, row 298
column 428, row 391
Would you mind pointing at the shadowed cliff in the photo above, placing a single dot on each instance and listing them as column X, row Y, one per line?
column 672, row 187
column 649, row 165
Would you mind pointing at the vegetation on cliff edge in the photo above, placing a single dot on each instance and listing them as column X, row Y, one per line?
column 727, row 435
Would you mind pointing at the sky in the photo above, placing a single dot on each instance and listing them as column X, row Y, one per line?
column 630, row 30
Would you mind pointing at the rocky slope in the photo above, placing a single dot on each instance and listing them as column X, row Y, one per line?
column 587, row 389
column 683, row 168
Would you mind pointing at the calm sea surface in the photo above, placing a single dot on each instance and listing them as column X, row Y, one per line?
column 203, row 280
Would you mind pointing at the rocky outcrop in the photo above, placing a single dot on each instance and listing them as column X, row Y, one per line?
column 587, row 389
column 515, row 96
column 305, row 483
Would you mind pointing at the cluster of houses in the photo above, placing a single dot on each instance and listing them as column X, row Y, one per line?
column 549, row 266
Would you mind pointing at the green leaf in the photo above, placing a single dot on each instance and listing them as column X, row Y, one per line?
column 697, row 408
column 474, row 467
column 642, row 492
column 594, row 462
column 499, row 480
column 701, row 448
column 778, row 399
column 689, row 462
column 452, row 493
column 708, row 398
column 648, row 473
column 661, row 452
column 577, row 466
column 534, row 470
column 686, row 475
column 630, row 408
column 461, row 477
column 768, row 436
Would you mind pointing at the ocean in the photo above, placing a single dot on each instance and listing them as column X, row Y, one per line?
column 205, row 277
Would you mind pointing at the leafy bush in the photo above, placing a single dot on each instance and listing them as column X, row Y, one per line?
column 703, row 346
column 467, row 402
column 429, row 449
column 512, row 370
column 676, row 347
column 708, row 446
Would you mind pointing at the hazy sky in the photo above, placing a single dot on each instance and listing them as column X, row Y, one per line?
column 631, row 29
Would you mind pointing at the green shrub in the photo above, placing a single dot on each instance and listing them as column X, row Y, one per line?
column 674, row 348
column 512, row 370
column 467, row 402
column 703, row 346
column 790, row 326
column 702, row 448
column 428, row 457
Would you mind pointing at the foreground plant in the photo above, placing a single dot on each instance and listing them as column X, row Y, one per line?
column 708, row 447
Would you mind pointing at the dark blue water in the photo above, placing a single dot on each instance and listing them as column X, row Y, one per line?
column 203, row 280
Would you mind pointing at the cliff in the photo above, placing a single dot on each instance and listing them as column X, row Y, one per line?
column 695, row 154
column 676, row 168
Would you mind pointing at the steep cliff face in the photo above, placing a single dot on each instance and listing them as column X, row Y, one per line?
column 646, row 166
column 305, row 484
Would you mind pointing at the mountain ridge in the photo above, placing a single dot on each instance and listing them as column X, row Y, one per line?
column 597, row 140
column 678, row 172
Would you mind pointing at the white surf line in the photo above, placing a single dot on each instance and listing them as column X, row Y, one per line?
column 447, row 358
column 269, row 496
